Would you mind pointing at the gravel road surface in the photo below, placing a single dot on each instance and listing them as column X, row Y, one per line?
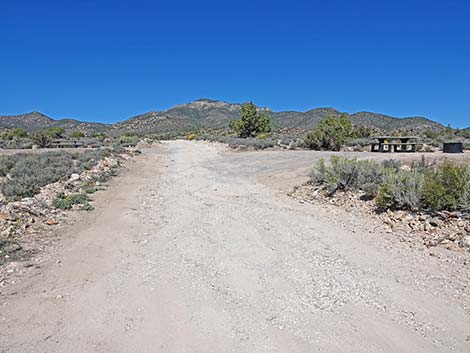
column 197, row 249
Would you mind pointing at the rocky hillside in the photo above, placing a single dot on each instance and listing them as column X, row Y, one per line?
column 386, row 122
column 302, row 120
column 202, row 113
column 37, row 121
column 31, row 121
column 206, row 113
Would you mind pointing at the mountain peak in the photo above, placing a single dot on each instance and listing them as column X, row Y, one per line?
column 206, row 100
column 208, row 113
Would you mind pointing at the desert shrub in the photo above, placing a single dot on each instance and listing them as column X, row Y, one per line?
column 422, row 186
column 444, row 186
column 55, row 132
column 371, row 190
column 15, row 134
column 431, row 134
column 127, row 140
column 466, row 144
column 362, row 142
column 31, row 172
column 422, row 164
column 6, row 164
column 464, row 201
column 117, row 148
column 66, row 202
column 362, row 132
column 330, row 134
column 88, row 159
column 100, row 136
column 89, row 189
column 77, row 134
column 391, row 164
column 465, row 133
column 192, row 136
column 263, row 136
column 27, row 173
column 425, row 148
column 42, row 139
column 346, row 174
column 22, row 143
column 252, row 122
column 401, row 189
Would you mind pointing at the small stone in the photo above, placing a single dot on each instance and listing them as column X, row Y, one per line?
column 453, row 215
column 434, row 222
column 453, row 236
column 8, row 216
column 74, row 177
column 52, row 222
column 8, row 232
column 465, row 242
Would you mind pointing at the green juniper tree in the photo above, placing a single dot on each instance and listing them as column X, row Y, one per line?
column 330, row 134
column 252, row 122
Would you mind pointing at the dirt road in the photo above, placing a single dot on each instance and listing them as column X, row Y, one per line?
column 195, row 249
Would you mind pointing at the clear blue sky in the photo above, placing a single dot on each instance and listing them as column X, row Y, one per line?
column 108, row 60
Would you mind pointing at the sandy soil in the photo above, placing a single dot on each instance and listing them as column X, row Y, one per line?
column 197, row 249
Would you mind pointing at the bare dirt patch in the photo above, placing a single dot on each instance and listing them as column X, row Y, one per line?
column 196, row 248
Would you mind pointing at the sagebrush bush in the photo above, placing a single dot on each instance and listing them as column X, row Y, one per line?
column 371, row 190
column 401, row 189
column 6, row 163
column 88, row 159
column 27, row 173
column 345, row 174
column 444, row 186
column 30, row 172
column 422, row 186
column 391, row 164
column 464, row 202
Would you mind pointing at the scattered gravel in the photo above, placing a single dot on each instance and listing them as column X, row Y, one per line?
column 208, row 253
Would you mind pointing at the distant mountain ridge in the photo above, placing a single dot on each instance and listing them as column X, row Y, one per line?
column 206, row 113
column 36, row 121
